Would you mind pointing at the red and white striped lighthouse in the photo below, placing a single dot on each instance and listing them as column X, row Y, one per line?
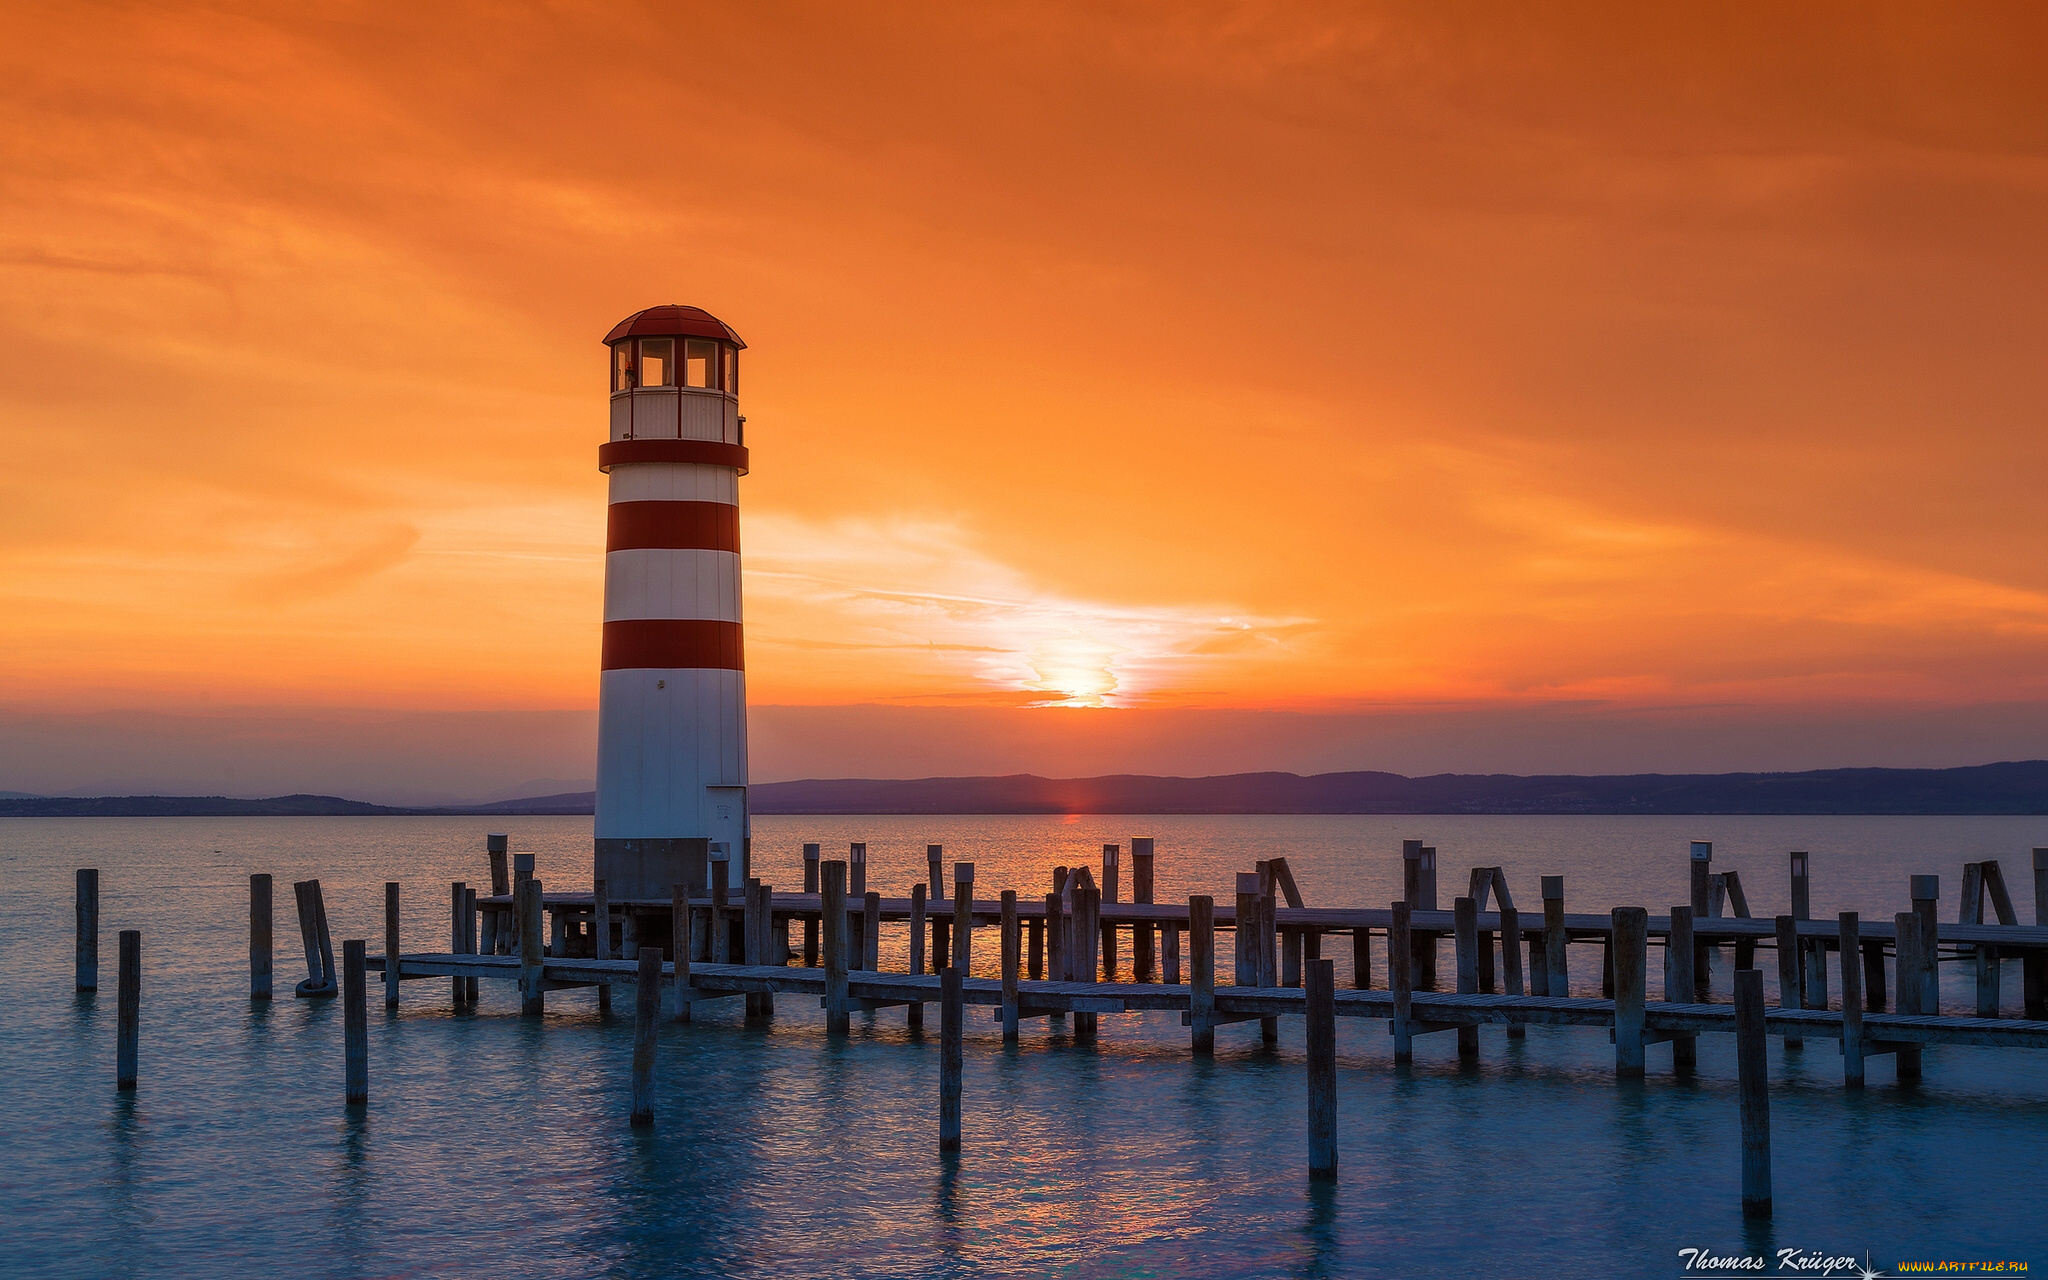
column 672, row 700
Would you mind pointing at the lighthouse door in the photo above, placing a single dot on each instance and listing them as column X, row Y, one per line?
column 728, row 811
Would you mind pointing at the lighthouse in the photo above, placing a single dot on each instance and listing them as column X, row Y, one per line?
column 672, row 694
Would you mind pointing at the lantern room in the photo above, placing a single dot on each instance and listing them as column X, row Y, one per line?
column 675, row 376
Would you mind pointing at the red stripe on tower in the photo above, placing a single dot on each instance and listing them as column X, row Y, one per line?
column 672, row 643
column 672, row 526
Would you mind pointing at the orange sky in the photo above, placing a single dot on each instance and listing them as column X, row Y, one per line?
column 1320, row 359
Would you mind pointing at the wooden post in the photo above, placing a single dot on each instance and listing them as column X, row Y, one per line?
column 1401, row 977
column 952, row 1027
column 469, row 942
column 1055, row 939
column 871, row 931
column 1802, row 897
column 1926, row 893
column 942, row 937
column 1873, row 977
column 1087, row 930
column 1745, row 948
column 1011, row 947
column 963, row 917
column 1539, row 964
column 1906, row 976
column 1557, row 974
column 497, row 922
column 857, row 869
column 1511, row 962
column 2035, row 967
column 646, row 1008
column 457, row 986
column 127, row 1009
column 260, row 937
column 1034, row 950
column 1169, row 948
column 1702, row 863
column 719, row 873
column 1789, row 995
column 355, row 1023
column 763, row 1002
column 532, row 1000
column 1482, row 884
column 321, row 980
column 1202, row 953
column 1112, row 878
column 522, row 871
column 1813, row 954
column 1850, row 943
column 1361, row 958
column 1678, row 984
column 86, row 963
column 391, row 952
column 1607, row 968
column 834, row 920
column 1322, row 1069
column 810, row 922
column 601, row 929
column 1143, row 966
column 1465, row 913
column 1629, row 942
column 1246, row 970
column 914, row 1014
column 680, row 947
column 1753, row 1073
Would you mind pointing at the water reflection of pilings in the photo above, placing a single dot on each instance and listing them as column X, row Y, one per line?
column 1319, row 1230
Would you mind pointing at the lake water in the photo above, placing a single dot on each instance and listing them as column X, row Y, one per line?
column 494, row 1145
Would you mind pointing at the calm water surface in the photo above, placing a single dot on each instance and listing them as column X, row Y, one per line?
column 494, row 1145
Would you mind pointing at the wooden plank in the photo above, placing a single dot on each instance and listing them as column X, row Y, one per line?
column 1629, row 949
column 952, row 1028
column 1321, row 1013
column 355, row 1024
column 1202, row 957
column 260, row 936
column 1752, row 1064
column 837, row 1012
column 1850, row 949
column 128, row 1004
column 646, row 1009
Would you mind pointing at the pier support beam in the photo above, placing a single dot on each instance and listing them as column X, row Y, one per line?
column 391, row 948
column 1012, row 939
column 680, row 946
column 532, row 1000
column 837, row 1021
column 913, row 1014
column 1465, row 913
column 1511, row 961
column 1628, row 946
column 355, row 1023
column 86, row 957
column 1322, row 1068
column 1753, row 1072
column 646, row 1009
column 1679, row 955
column 1202, row 957
column 1850, row 942
column 1556, row 972
column 128, row 1010
column 1789, row 995
column 261, row 935
column 952, row 1027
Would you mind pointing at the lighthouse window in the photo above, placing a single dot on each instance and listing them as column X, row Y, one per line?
column 657, row 362
column 700, row 362
column 731, row 380
column 622, row 366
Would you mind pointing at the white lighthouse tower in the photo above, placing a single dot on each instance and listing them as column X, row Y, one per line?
column 672, row 700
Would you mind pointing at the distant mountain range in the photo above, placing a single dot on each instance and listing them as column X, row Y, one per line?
column 2019, row 787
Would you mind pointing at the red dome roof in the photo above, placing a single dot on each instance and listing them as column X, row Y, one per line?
column 673, row 321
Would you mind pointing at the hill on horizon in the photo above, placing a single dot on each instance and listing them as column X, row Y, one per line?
column 2007, row 788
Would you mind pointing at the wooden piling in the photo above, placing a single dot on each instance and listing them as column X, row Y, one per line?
column 963, row 917
column 942, row 937
column 1702, row 862
column 1789, row 994
column 1465, row 914
column 1169, row 954
column 1034, row 949
column 1873, row 977
column 86, row 958
column 1361, row 958
column 1753, row 1073
column 469, row 941
column 1202, row 955
column 720, row 876
column 458, row 986
column 871, row 931
column 1926, row 892
column 355, row 1023
column 1112, row 878
column 1511, row 961
column 391, row 951
column 532, row 999
column 1401, row 977
column 1143, row 963
column 837, row 1020
column 646, row 1009
column 810, row 922
column 1055, row 939
column 681, row 947
column 601, row 928
column 1246, row 953
column 1813, row 953
column 952, row 1028
column 1087, row 931
column 1012, row 940
column 1322, row 1068
column 1629, row 948
column 1678, row 984
column 914, row 1014
column 1906, row 979
column 127, row 1009
column 762, row 1003
column 1556, row 971
column 497, row 922
column 321, row 979
column 261, row 946
column 1850, row 942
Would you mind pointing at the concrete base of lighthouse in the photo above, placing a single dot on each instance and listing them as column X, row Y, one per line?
column 651, row 868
